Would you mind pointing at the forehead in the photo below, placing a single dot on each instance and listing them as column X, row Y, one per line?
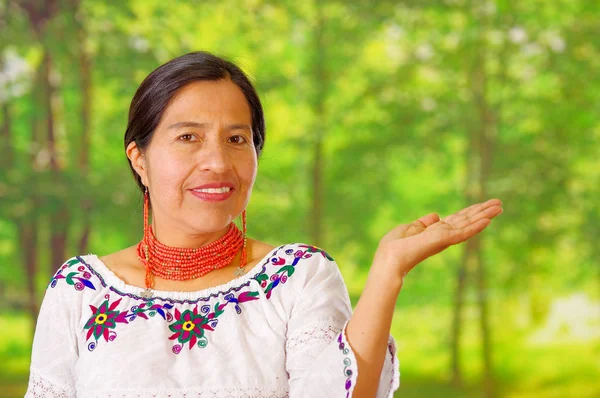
column 208, row 101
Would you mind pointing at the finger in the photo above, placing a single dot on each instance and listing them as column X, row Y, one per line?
column 424, row 222
column 420, row 224
column 429, row 219
column 474, row 213
column 483, row 206
column 468, row 232
column 415, row 227
column 471, row 210
column 462, row 221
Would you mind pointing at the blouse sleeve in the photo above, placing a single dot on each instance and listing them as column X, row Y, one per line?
column 319, row 360
column 54, row 351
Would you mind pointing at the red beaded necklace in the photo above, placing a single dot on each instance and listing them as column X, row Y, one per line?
column 182, row 264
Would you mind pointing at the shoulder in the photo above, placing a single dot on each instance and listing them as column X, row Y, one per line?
column 301, row 254
column 74, row 275
column 315, row 283
column 303, row 264
column 304, row 251
column 288, row 258
column 73, row 285
column 306, row 255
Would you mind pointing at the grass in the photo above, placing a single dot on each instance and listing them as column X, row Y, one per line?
column 522, row 368
column 15, row 353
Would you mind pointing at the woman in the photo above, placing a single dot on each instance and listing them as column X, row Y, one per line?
column 196, row 309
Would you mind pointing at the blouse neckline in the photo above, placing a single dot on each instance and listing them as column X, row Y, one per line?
column 110, row 279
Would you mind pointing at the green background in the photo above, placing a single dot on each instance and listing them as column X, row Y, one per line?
column 377, row 113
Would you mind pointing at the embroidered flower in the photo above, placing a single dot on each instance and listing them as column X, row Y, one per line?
column 241, row 298
column 286, row 269
column 190, row 326
column 103, row 320
column 151, row 308
column 78, row 279
column 314, row 249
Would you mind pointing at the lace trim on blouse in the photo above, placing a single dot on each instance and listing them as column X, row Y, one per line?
column 40, row 387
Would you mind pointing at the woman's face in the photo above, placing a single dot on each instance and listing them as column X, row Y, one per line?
column 204, row 138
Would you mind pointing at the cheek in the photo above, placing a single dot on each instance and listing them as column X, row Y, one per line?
column 169, row 171
column 247, row 172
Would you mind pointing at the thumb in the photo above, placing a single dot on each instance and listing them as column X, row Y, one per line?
column 413, row 228
column 428, row 220
column 420, row 224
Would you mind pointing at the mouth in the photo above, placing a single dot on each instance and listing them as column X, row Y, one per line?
column 213, row 190
column 212, row 194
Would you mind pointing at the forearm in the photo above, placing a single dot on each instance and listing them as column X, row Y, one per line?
column 369, row 328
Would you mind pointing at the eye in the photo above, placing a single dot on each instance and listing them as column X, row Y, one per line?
column 185, row 137
column 238, row 139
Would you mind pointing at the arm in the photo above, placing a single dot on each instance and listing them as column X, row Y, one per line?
column 399, row 251
column 319, row 359
column 369, row 328
column 54, row 351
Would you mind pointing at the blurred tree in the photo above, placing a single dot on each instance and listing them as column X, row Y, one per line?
column 377, row 113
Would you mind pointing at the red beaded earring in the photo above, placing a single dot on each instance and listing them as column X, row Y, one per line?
column 239, row 271
column 146, row 205
column 148, row 277
column 243, row 259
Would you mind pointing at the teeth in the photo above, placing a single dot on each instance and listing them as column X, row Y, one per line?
column 214, row 190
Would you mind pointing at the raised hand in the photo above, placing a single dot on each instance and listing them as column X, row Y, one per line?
column 405, row 246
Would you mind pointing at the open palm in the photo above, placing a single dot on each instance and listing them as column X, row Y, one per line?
column 408, row 244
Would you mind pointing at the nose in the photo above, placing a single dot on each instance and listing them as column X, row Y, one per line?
column 214, row 157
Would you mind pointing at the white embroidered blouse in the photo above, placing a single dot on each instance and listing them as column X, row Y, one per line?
column 276, row 331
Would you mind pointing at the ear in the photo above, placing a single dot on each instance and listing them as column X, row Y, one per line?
column 138, row 161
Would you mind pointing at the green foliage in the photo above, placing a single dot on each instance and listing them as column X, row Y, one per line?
column 389, row 88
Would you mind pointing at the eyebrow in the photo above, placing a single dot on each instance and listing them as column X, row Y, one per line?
column 234, row 126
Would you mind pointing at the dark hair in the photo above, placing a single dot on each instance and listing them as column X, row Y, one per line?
column 159, row 87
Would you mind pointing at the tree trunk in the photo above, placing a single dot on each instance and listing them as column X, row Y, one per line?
column 482, row 145
column 59, row 219
column 461, row 279
column 6, row 163
column 479, row 161
column 318, row 104
column 485, row 153
column 29, row 227
column 6, row 137
column 86, row 104
column 28, row 243
column 39, row 13
column 486, row 338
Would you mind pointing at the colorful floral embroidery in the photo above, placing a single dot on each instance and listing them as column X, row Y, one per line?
column 152, row 309
column 347, row 363
column 314, row 249
column 78, row 279
column 287, row 270
column 102, row 321
column 190, row 326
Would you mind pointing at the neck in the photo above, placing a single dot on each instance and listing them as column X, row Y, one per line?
column 177, row 238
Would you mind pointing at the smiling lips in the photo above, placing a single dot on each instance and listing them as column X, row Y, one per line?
column 213, row 192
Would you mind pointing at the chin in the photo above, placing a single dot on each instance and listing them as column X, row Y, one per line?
column 204, row 226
